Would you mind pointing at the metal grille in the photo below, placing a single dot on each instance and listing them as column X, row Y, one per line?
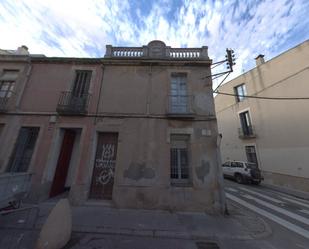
column 21, row 156
column 6, row 90
column 251, row 154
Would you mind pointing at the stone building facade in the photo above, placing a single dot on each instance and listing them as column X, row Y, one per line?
column 270, row 132
column 136, row 128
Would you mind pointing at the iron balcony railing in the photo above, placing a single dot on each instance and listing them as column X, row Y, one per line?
column 180, row 105
column 246, row 132
column 73, row 104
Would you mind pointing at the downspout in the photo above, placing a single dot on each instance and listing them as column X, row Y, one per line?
column 99, row 98
column 21, row 92
column 222, row 198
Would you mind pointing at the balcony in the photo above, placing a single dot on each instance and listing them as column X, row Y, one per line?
column 70, row 104
column 180, row 106
column 247, row 132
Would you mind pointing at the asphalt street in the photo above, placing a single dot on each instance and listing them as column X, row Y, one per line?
column 287, row 216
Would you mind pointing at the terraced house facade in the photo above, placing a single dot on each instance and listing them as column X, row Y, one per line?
column 137, row 127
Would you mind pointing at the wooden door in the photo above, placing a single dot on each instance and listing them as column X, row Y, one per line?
column 63, row 163
column 104, row 167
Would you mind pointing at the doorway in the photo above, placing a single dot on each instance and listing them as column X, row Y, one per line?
column 104, row 166
column 63, row 163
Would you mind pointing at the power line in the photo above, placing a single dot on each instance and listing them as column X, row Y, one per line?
column 222, row 81
column 260, row 97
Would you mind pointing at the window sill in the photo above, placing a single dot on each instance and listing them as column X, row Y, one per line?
column 181, row 184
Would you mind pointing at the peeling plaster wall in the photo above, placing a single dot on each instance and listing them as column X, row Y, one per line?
column 133, row 103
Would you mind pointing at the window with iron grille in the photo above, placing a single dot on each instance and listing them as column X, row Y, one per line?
column 7, row 82
column 240, row 92
column 6, row 88
column 251, row 154
column 1, row 129
column 179, row 159
column 24, row 147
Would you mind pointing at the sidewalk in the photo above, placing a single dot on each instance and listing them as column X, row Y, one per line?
column 93, row 220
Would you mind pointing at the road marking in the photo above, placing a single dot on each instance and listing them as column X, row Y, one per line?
column 282, row 222
column 232, row 190
column 291, row 197
column 279, row 210
column 304, row 211
column 295, row 201
column 263, row 196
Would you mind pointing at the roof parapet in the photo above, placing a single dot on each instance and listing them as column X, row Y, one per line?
column 157, row 50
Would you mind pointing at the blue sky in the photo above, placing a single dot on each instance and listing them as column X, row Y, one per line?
column 82, row 28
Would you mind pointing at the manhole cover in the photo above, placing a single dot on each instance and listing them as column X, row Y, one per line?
column 207, row 245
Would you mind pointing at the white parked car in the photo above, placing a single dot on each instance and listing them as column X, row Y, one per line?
column 242, row 172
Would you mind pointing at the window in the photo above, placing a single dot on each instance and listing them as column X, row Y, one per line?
column 7, row 82
column 178, row 94
column 251, row 155
column 22, row 154
column 240, row 92
column 227, row 164
column 6, row 89
column 179, row 159
column 245, row 122
column 233, row 164
column 81, row 83
column 1, row 129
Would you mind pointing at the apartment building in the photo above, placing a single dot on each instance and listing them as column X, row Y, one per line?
column 270, row 132
column 136, row 128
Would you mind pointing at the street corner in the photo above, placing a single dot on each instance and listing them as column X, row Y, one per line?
column 255, row 226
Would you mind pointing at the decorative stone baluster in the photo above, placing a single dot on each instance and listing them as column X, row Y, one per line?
column 158, row 50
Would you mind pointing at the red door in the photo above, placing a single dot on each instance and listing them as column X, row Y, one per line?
column 104, row 167
column 63, row 163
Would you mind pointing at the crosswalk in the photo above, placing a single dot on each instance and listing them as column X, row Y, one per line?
column 290, row 212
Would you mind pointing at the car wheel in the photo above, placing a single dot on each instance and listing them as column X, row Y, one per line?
column 256, row 182
column 238, row 178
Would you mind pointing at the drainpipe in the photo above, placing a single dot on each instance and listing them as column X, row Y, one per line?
column 21, row 92
column 222, row 198
column 99, row 98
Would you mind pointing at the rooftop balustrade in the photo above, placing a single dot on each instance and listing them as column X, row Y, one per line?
column 157, row 50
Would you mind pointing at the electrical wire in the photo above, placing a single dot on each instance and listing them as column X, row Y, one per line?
column 260, row 97
column 222, row 81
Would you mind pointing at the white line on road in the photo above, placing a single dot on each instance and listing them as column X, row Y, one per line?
column 291, row 197
column 304, row 211
column 282, row 222
column 295, row 201
column 263, row 196
column 280, row 210
column 232, row 190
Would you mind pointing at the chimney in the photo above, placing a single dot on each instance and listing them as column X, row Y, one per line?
column 259, row 60
column 22, row 50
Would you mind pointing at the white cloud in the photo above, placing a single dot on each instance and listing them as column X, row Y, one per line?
column 83, row 28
